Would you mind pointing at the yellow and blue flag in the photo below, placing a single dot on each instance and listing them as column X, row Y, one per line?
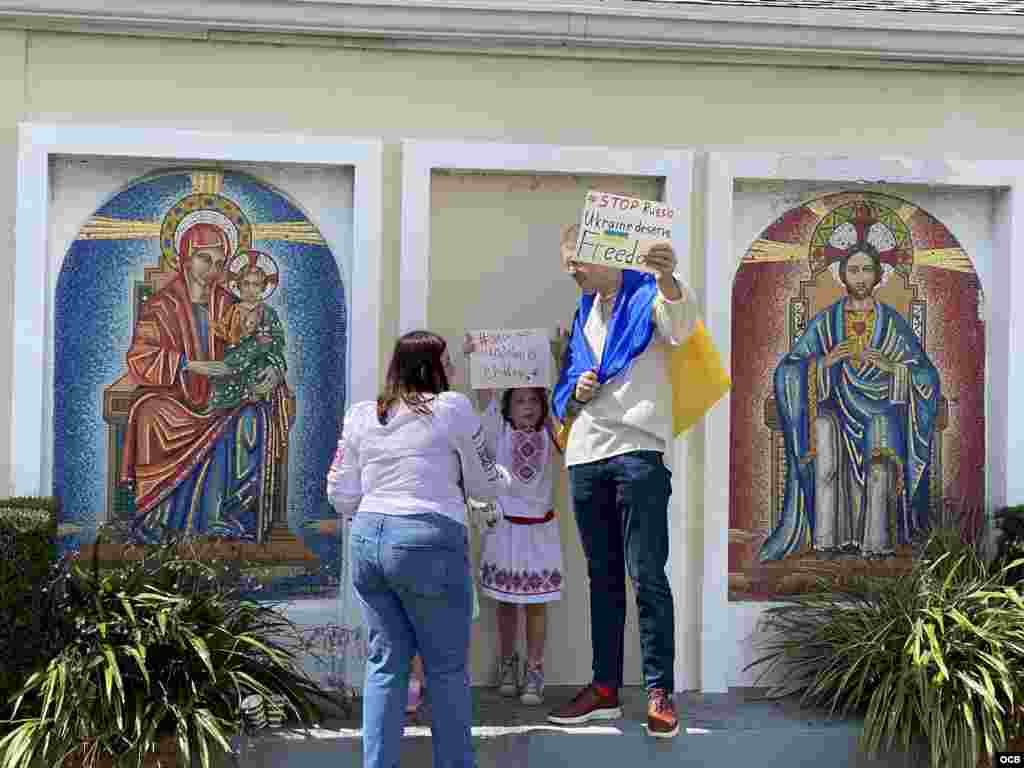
column 698, row 378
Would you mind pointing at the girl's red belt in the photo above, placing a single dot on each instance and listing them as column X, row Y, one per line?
column 531, row 520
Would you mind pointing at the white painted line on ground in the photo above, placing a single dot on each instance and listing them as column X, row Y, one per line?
column 479, row 731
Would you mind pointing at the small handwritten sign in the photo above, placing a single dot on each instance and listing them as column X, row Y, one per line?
column 617, row 231
column 510, row 359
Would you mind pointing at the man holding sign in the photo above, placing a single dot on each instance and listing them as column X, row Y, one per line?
column 614, row 397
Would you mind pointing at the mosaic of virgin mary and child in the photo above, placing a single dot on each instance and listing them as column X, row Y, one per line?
column 207, row 437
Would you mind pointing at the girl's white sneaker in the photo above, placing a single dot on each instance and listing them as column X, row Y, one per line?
column 508, row 680
column 533, row 690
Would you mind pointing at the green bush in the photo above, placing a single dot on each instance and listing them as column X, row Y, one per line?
column 28, row 536
column 937, row 654
column 1011, row 541
column 155, row 647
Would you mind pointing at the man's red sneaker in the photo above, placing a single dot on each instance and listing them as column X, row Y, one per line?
column 589, row 704
column 661, row 714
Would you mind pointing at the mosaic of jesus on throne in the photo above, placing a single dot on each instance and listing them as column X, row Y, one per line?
column 858, row 407
column 179, row 338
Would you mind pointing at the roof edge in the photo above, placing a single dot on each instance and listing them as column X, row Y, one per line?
column 901, row 36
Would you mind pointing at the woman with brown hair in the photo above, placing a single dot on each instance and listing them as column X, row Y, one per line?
column 405, row 464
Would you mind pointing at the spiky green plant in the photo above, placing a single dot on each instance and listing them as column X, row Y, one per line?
column 28, row 531
column 1011, row 541
column 937, row 654
column 162, row 646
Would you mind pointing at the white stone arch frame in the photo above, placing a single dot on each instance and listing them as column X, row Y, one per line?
column 31, row 432
column 723, row 661
column 675, row 168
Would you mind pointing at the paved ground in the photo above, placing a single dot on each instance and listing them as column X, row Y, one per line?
column 737, row 729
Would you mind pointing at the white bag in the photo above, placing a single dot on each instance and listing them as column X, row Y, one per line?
column 483, row 515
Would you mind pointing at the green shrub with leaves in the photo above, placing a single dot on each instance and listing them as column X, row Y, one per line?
column 1011, row 540
column 937, row 654
column 28, row 530
column 156, row 647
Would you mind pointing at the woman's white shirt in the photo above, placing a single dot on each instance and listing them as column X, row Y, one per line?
column 415, row 463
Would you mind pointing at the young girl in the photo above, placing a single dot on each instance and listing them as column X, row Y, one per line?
column 521, row 556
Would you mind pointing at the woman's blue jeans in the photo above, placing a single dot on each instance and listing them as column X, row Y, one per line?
column 411, row 576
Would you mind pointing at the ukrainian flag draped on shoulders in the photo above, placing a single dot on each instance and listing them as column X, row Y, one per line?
column 695, row 368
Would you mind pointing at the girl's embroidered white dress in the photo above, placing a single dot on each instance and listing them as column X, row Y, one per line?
column 521, row 556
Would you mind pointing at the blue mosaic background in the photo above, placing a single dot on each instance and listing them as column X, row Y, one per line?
column 93, row 330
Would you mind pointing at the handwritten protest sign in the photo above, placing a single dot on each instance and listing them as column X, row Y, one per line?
column 617, row 231
column 510, row 359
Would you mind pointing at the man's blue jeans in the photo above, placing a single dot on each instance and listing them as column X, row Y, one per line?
column 621, row 508
column 411, row 576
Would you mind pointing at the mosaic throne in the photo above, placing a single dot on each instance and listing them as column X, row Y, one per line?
column 821, row 291
column 118, row 399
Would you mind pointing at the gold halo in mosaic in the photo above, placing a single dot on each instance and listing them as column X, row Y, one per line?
column 204, row 207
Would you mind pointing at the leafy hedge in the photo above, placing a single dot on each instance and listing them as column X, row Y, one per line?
column 1011, row 541
column 28, row 550
column 156, row 646
column 936, row 654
